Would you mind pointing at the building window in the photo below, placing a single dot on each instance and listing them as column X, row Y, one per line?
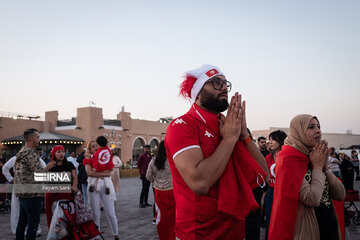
column 137, row 150
column 154, row 144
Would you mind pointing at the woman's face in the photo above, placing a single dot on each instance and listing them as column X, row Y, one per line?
column 59, row 155
column 274, row 145
column 93, row 147
column 313, row 132
column 346, row 157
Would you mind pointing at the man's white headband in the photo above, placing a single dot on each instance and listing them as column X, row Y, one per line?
column 203, row 73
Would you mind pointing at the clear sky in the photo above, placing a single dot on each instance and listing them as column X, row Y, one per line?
column 285, row 57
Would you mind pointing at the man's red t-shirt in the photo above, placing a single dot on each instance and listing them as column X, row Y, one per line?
column 197, row 216
column 103, row 159
column 270, row 160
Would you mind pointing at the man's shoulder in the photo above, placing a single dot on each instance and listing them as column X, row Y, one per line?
column 26, row 155
column 181, row 123
column 142, row 156
column 183, row 119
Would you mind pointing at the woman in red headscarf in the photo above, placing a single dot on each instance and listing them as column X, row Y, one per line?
column 305, row 186
column 58, row 163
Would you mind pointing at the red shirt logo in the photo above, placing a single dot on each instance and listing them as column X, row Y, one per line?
column 211, row 72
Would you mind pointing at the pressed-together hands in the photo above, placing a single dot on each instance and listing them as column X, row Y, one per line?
column 233, row 126
column 319, row 156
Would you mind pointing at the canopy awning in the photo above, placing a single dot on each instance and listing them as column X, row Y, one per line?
column 46, row 138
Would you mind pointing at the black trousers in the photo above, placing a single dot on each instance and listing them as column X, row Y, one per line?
column 145, row 190
column 253, row 220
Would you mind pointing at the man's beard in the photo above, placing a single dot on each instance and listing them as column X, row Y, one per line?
column 213, row 103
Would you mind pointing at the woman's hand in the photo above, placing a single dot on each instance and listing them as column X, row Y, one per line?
column 319, row 155
column 50, row 165
column 74, row 189
column 326, row 162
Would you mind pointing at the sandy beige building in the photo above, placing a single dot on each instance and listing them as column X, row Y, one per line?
column 336, row 140
column 125, row 134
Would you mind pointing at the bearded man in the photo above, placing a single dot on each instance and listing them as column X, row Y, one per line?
column 213, row 160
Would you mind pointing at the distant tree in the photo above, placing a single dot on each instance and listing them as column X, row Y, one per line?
column 166, row 119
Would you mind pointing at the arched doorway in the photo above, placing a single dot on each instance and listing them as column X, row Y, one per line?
column 138, row 145
column 154, row 144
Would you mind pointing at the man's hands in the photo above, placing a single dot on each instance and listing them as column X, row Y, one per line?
column 319, row 156
column 233, row 126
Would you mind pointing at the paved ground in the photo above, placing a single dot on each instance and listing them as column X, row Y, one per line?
column 135, row 222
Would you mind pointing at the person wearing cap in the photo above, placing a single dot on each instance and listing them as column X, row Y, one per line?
column 213, row 160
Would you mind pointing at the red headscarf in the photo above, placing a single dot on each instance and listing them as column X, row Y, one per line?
column 55, row 149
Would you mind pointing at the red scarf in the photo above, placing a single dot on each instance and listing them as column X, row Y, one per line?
column 55, row 149
column 290, row 169
column 291, row 166
column 240, row 176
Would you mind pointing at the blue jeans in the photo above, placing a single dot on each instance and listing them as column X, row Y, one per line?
column 268, row 207
column 84, row 192
column 30, row 209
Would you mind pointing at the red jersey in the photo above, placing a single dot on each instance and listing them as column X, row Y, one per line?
column 198, row 216
column 102, row 159
column 270, row 160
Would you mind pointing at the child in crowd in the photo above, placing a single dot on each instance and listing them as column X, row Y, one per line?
column 103, row 162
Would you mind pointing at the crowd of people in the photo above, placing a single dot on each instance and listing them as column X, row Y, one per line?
column 210, row 178
column 94, row 173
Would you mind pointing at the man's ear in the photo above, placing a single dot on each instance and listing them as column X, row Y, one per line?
column 198, row 96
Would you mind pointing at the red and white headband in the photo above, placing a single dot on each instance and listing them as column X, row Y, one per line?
column 195, row 80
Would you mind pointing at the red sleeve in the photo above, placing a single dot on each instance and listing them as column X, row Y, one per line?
column 95, row 156
column 87, row 161
column 180, row 136
column 268, row 159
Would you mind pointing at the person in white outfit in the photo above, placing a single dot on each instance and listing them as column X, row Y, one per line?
column 334, row 164
column 15, row 205
column 115, row 177
column 99, row 192
column 72, row 159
